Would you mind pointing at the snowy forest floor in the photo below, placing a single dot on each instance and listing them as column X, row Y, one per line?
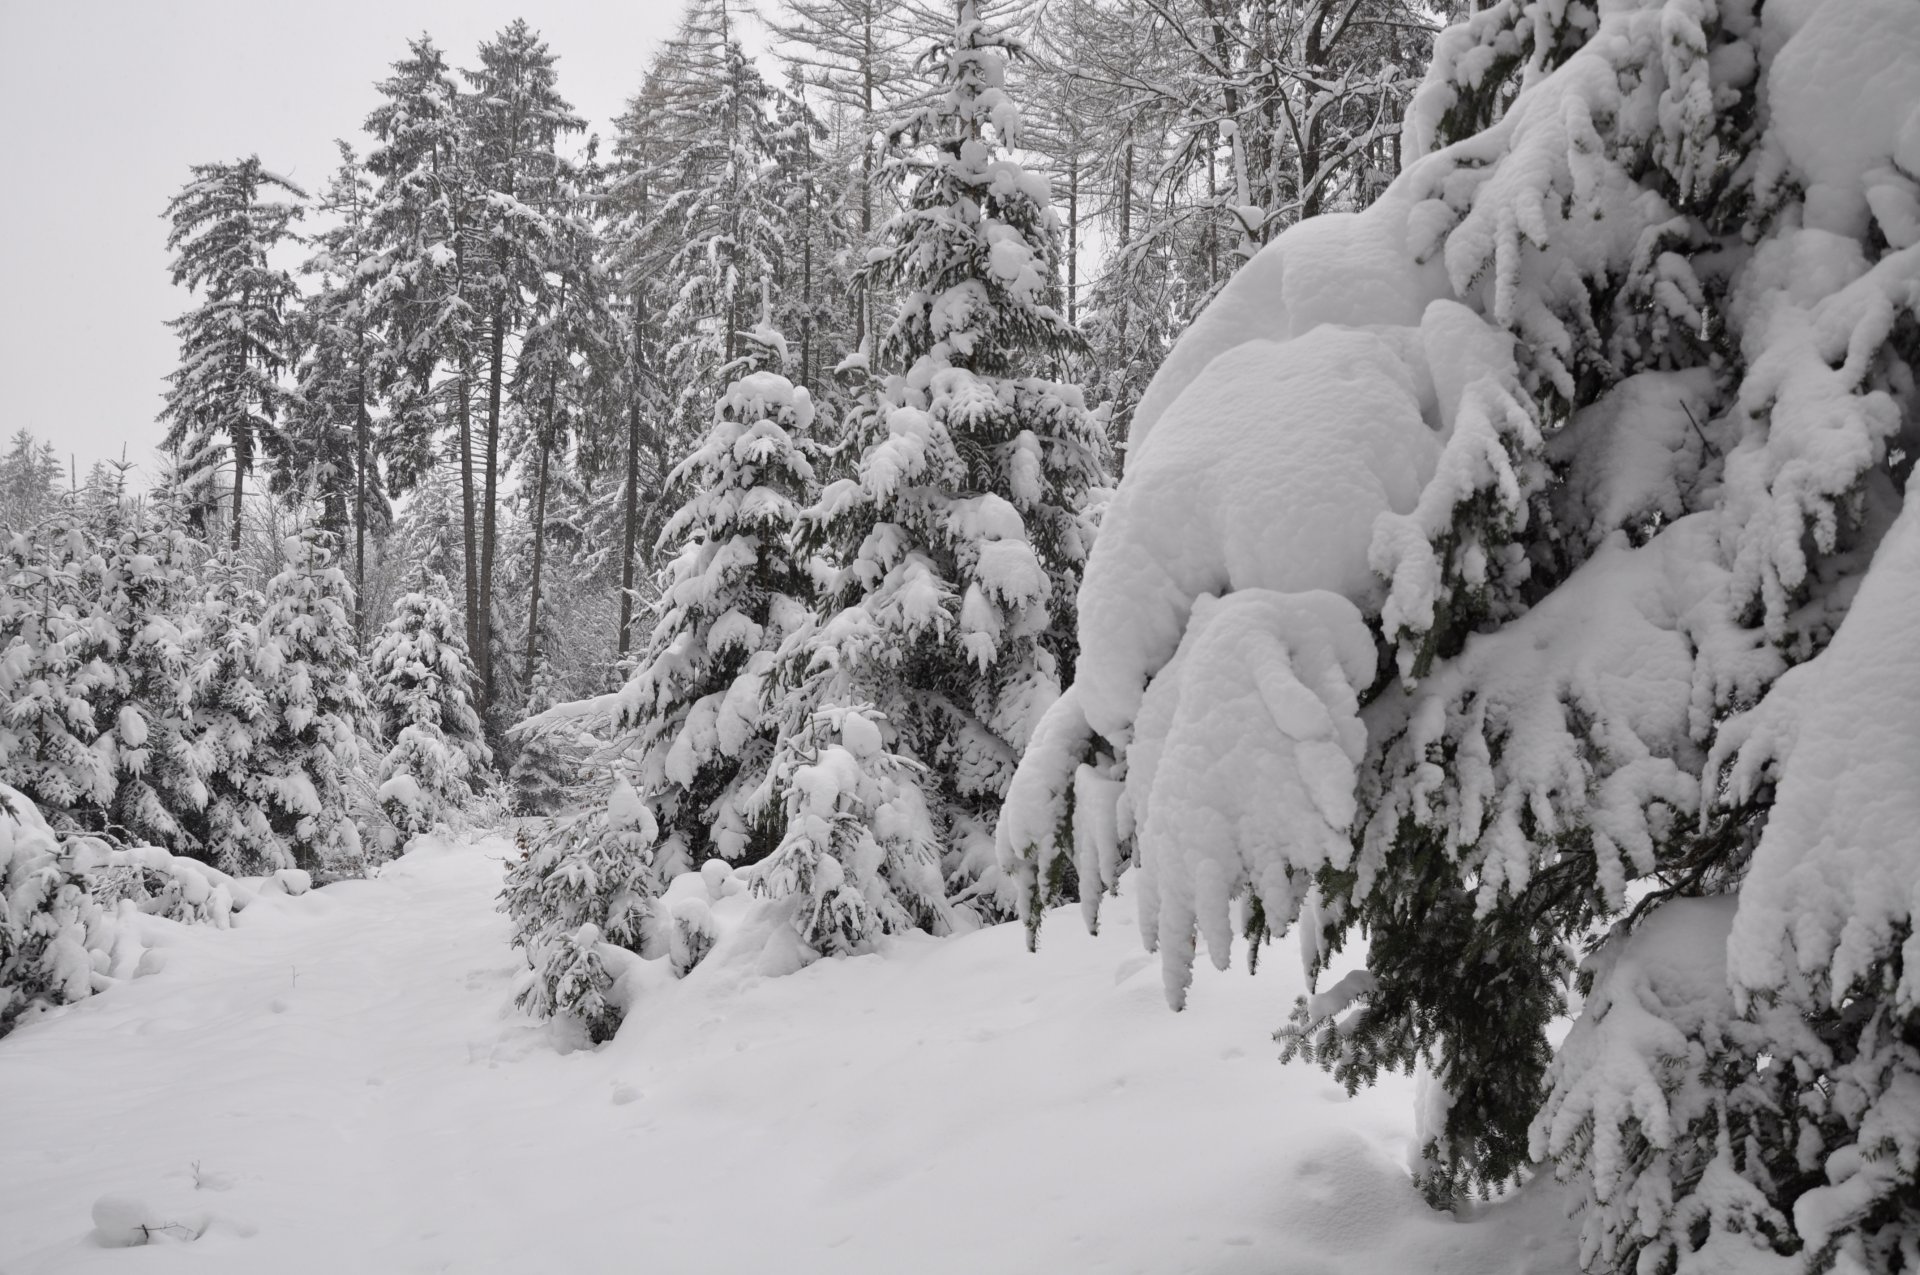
column 340, row 1084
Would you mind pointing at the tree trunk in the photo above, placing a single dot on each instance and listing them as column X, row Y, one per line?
column 239, row 496
column 489, row 523
column 539, row 538
column 361, row 425
column 468, row 560
column 631, row 532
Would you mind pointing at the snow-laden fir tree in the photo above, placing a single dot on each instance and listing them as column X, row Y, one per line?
column 58, row 661
column 961, row 534
column 694, row 710
column 1465, row 548
column 30, row 474
column 307, row 673
column 530, row 189
column 230, row 716
column 420, row 687
column 225, row 399
column 692, row 725
column 581, row 898
column 721, row 206
column 423, row 220
column 147, row 582
column 329, row 452
column 550, row 760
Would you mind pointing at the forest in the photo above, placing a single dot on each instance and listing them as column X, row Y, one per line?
column 1422, row 484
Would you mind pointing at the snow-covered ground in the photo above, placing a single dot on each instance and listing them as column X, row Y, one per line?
column 339, row 1084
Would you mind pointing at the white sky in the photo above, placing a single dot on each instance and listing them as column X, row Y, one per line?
column 107, row 102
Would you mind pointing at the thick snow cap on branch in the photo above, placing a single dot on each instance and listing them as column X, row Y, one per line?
column 1242, row 768
column 1835, row 881
column 1267, row 473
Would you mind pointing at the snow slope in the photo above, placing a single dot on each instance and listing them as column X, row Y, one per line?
column 343, row 1076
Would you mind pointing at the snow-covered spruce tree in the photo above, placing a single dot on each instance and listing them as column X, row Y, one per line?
column 721, row 208
column 330, row 446
column 223, row 406
column 420, row 687
column 737, row 587
column 147, row 582
column 691, row 724
column 579, row 898
column 549, row 760
column 961, row 536
column 30, row 475
column 57, row 662
column 1463, row 545
column 306, row 671
column 230, row 715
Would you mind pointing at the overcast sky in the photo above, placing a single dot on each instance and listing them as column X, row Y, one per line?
column 106, row 105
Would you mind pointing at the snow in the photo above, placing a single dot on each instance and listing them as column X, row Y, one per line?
column 1227, row 494
column 1873, row 47
column 335, row 1085
column 1836, row 878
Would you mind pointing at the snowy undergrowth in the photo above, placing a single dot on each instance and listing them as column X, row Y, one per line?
column 338, row 1083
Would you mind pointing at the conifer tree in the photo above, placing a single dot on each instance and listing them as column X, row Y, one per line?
column 147, row 582
column 721, row 205
column 961, row 537
column 57, row 663
column 515, row 119
column 736, row 588
column 583, row 892
column 231, row 717
column 329, row 456
column 547, row 763
column 307, row 672
column 420, row 687
column 424, row 219
column 1494, row 603
column 224, row 403
column 29, row 481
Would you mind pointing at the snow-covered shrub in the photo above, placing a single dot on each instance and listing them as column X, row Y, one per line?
column 1593, row 426
column 959, row 539
column 70, row 907
column 420, row 687
column 584, row 892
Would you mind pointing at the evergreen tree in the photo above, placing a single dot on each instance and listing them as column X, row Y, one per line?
column 736, row 589
column 147, row 582
column 961, row 537
column 583, row 893
column 721, row 206
column 57, row 663
column 29, row 482
column 1498, row 602
column 860, row 57
column 231, row 718
column 548, row 763
column 329, row 452
column 421, row 692
column 425, row 225
column 307, row 673
column 225, row 399
column 515, row 118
